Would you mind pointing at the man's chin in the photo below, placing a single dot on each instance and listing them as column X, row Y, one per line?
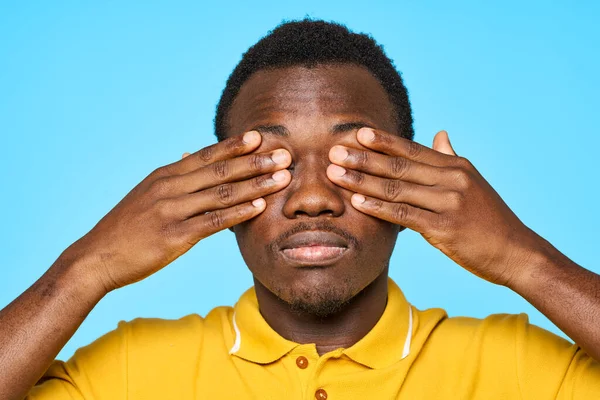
column 321, row 300
column 320, row 308
column 318, row 292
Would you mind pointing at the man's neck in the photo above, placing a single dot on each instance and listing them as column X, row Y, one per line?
column 339, row 330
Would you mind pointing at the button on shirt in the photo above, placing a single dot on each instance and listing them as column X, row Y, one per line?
column 233, row 353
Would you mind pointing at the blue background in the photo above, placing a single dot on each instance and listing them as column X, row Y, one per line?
column 94, row 97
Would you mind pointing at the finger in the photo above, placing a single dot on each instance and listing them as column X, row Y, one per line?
column 230, row 194
column 204, row 225
column 391, row 190
column 235, row 169
column 386, row 166
column 231, row 147
column 395, row 145
column 441, row 143
column 398, row 213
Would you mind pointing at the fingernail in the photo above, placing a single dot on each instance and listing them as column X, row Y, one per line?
column 366, row 134
column 336, row 170
column 259, row 203
column 279, row 176
column 338, row 153
column 280, row 156
column 251, row 137
column 358, row 198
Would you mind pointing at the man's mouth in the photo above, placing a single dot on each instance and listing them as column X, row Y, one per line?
column 314, row 248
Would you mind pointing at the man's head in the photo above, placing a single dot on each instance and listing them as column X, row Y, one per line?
column 306, row 87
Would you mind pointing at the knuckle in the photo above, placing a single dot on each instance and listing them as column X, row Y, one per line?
column 206, row 154
column 216, row 219
column 382, row 139
column 398, row 166
column 220, row 169
column 392, row 189
column 463, row 163
column 158, row 172
column 376, row 204
column 164, row 171
column 357, row 177
column 400, row 212
column 361, row 158
column 258, row 162
column 462, row 178
column 454, row 199
column 164, row 208
column 160, row 187
column 225, row 193
column 234, row 145
column 261, row 182
column 241, row 213
column 414, row 149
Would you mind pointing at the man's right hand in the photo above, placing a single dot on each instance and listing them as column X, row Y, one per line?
column 160, row 219
column 178, row 205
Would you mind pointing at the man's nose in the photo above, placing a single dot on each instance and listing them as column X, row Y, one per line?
column 312, row 194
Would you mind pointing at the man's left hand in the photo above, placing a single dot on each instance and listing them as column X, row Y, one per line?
column 438, row 194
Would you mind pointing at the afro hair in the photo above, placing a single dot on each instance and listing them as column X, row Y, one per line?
column 311, row 43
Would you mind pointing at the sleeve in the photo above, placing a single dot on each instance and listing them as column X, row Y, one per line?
column 97, row 371
column 547, row 362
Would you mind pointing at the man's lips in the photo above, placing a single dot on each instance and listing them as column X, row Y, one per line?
column 314, row 248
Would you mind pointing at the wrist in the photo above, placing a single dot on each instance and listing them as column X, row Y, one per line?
column 535, row 262
column 76, row 275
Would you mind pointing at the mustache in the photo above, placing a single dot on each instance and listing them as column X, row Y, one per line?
column 322, row 225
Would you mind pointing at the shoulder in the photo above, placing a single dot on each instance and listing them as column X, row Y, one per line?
column 163, row 350
column 155, row 337
column 500, row 331
column 497, row 338
column 496, row 325
column 137, row 358
column 189, row 329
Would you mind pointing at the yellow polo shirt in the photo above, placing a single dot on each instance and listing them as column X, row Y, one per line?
column 233, row 353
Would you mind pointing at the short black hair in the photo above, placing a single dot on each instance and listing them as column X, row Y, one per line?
column 311, row 43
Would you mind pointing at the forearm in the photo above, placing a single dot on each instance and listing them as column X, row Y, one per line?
column 566, row 293
column 36, row 325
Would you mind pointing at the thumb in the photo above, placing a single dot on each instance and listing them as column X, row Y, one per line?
column 441, row 143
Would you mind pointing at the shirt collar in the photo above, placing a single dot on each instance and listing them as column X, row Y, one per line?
column 389, row 341
column 255, row 340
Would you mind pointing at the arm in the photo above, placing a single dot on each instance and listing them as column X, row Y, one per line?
column 35, row 326
column 566, row 293
column 443, row 197
column 160, row 219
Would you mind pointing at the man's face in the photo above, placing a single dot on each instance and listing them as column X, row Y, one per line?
column 310, row 247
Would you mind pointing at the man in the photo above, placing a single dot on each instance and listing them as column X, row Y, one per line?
column 316, row 173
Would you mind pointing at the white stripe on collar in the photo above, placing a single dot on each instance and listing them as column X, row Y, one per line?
column 406, row 350
column 238, row 337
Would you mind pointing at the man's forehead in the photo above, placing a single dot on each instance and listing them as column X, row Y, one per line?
column 341, row 94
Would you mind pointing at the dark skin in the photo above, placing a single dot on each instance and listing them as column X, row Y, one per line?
column 166, row 214
column 390, row 180
column 307, row 112
column 356, row 183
